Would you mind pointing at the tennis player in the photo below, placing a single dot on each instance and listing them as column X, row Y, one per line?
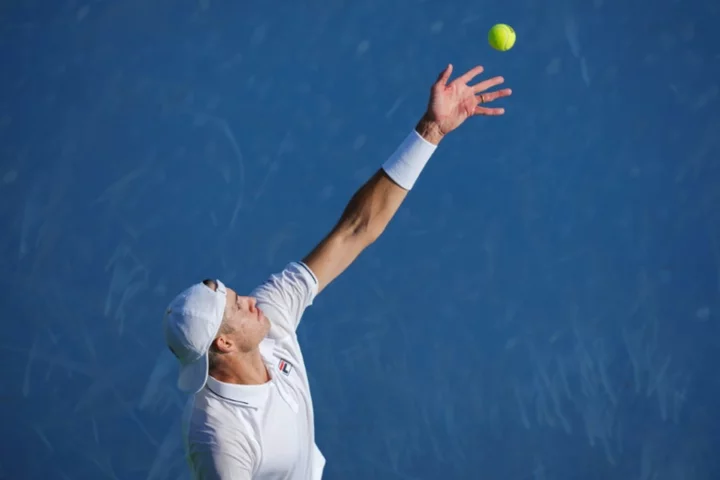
column 250, row 414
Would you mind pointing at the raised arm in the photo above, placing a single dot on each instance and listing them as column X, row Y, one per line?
column 372, row 207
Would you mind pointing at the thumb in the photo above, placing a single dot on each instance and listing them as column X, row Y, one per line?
column 444, row 75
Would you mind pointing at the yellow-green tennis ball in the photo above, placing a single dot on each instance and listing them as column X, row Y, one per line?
column 501, row 37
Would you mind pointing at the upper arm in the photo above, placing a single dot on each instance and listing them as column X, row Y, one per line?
column 334, row 254
column 212, row 464
column 285, row 295
column 363, row 220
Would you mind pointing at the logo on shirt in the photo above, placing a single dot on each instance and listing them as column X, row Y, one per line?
column 284, row 366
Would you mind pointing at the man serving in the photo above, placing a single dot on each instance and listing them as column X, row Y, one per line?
column 250, row 414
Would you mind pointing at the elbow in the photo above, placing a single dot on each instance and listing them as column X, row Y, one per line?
column 363, row 231
column 369, row 234
column 362, row 221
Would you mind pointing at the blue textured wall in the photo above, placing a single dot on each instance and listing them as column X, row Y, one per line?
column 545, row 305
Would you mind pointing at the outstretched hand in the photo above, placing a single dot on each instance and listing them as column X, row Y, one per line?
column 452, row 103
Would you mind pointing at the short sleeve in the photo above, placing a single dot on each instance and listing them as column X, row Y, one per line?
column 209, row 463
column 285, row 295
column 215, row 446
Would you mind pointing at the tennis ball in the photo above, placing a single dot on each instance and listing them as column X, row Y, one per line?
column 501, row 37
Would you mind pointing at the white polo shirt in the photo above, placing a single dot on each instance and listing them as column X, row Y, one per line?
column 238, row 432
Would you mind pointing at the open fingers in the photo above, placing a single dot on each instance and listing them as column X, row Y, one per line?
column 444, row 76
column 488, row 111
column 489, row 83
column 488, row 97
column 470, row 74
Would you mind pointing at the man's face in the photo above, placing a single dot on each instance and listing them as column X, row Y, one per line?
column 246, row 321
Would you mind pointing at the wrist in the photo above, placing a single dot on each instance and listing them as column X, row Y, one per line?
column 409, row 159
column 429, row 130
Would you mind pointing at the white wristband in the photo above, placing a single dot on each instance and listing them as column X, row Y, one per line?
column 405, row 165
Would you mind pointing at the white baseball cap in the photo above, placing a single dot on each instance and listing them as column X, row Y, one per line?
column 191, row 322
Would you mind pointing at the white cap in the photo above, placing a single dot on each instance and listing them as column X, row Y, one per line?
column 191, row 322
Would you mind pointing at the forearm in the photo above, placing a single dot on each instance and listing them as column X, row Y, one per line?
column 429, row 130
column 373, row 206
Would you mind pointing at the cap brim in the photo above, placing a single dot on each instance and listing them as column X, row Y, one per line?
column 193, row 376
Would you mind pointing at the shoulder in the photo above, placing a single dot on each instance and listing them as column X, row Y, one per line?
column 295, row 277
column 285, row 295
column 217, row 439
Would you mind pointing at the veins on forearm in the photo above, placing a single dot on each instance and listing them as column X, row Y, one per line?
column 370, row 209
column 429, row 130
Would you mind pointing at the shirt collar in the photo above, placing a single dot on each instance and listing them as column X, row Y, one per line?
column 253, row 396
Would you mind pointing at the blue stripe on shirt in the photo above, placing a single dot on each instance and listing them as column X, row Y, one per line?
column 309, row 271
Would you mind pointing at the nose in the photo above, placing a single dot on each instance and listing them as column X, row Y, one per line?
column 252, row 304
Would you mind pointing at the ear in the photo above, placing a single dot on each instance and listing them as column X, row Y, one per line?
column 223, row 343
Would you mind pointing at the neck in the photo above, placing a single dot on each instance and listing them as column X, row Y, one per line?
column 246, row 369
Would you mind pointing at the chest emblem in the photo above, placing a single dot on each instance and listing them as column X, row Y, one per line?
column 285, row 367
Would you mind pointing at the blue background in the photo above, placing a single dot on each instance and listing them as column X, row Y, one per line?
column 544, row 306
